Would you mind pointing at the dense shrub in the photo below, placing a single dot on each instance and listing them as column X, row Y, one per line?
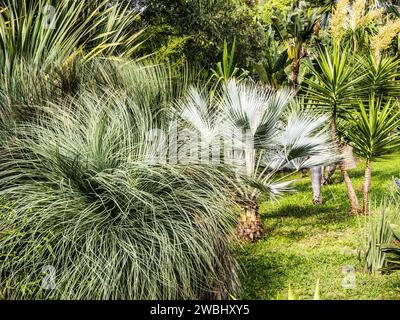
column 195, row 30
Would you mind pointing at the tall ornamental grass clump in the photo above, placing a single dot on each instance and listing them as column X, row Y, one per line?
column 109, row 224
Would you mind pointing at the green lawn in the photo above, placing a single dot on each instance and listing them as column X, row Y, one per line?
column 305, row 242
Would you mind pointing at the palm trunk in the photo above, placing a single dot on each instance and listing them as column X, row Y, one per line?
column 354, row 206
column 316, row 181
column 251, row 227
column 350, row 190
column 366, row 186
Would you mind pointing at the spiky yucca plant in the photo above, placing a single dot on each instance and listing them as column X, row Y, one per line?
column 381, row 77
column 379, row 234
column 333, row 88
column 373, row 133
column 88, row 203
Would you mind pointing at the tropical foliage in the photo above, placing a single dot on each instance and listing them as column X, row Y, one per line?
column 142, row 140
column 373, row 133
column 113, row 224
column 195, row 30
column 267, row 136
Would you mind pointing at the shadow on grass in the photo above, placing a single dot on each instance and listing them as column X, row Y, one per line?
column 266, row 273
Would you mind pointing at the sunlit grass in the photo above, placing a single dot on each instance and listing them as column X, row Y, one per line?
column 305, row 242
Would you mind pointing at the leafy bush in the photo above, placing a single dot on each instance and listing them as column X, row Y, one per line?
column 195, row 30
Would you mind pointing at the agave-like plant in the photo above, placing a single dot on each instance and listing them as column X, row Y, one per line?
column 264, row 136
column 88, row 205
column 392, row 250
column 381, row 237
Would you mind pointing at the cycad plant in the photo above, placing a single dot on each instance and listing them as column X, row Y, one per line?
column 264, row 136
column 373, row 132
column 87, row 203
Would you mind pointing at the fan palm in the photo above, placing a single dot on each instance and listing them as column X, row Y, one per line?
column 265, row 137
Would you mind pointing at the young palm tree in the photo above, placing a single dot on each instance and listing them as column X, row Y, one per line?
column 334, row 86
column 373, row 133
column 267, row 137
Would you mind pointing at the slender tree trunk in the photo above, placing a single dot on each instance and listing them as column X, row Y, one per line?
column 366, row 186
column 316, row 181
column 295, row 73
column 350, row 190
column 354, row 206
column 251, row 227
column 331, row 171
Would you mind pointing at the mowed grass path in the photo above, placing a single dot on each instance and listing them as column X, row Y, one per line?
column 305, row 242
